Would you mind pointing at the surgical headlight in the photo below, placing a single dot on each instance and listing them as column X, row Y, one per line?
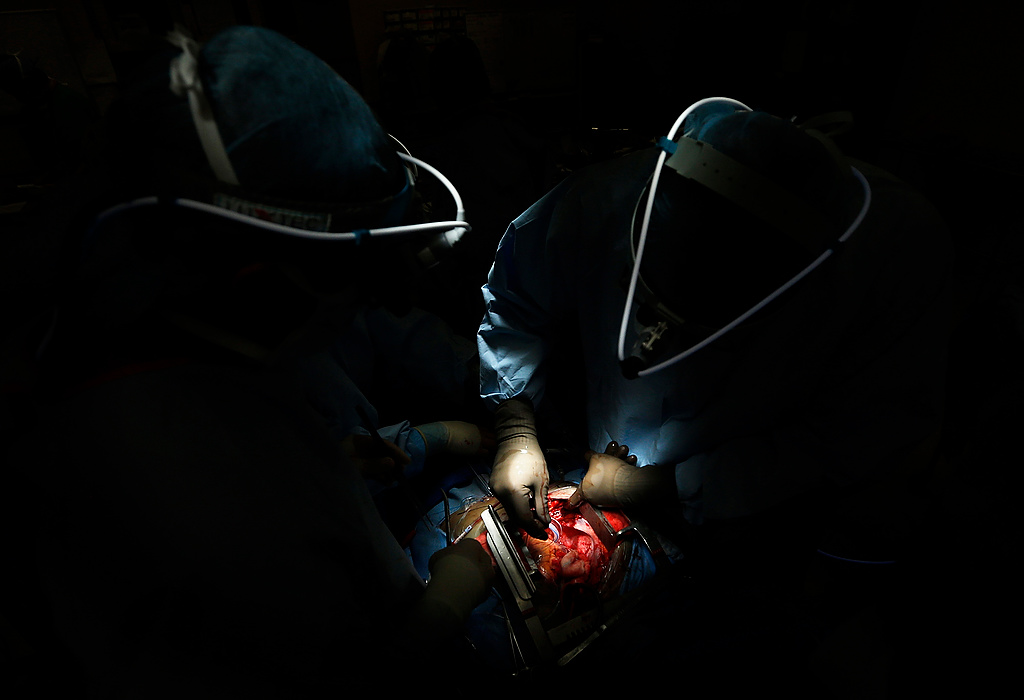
column 699, row 162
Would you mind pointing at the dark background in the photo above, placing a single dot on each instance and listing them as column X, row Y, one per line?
column 935, row 91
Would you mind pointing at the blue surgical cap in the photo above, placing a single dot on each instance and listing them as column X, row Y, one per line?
column 292, row 127
column 779, row 150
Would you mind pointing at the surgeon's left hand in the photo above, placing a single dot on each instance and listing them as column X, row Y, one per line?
column 614, row 480
column 460, row 579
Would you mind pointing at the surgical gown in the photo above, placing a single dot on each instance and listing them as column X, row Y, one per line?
column 414, row 362
column 202, row 536
column 840, row 383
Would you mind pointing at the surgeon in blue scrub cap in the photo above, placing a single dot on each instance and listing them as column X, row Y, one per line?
column 835, row 383
column 206, row 534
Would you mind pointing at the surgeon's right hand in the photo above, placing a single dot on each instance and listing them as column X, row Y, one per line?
column 519, row 477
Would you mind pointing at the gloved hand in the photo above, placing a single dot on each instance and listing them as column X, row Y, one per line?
column 519, row 477
column 379, row 460
column 460, row 579
column 461, row 574
column 614, row 480
column 456, row 437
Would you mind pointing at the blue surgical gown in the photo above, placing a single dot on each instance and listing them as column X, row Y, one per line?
column 839, row 384
column 380, row 354
column 201, row 528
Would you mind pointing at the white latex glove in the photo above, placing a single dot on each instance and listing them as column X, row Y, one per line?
column 519, row 477
column 460, row 579
column 461, row 576
column 456, row 438
column 614, row 480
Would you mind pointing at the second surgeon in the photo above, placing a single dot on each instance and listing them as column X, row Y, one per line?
column 833, row 382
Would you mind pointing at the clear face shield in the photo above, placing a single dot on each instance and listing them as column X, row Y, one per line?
column 697, row 161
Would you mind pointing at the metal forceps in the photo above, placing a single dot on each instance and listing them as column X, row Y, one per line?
column 447, row 520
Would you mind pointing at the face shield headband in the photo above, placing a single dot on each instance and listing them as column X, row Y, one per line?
column 717, row 180
column 449, row 232
column 458, row 225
